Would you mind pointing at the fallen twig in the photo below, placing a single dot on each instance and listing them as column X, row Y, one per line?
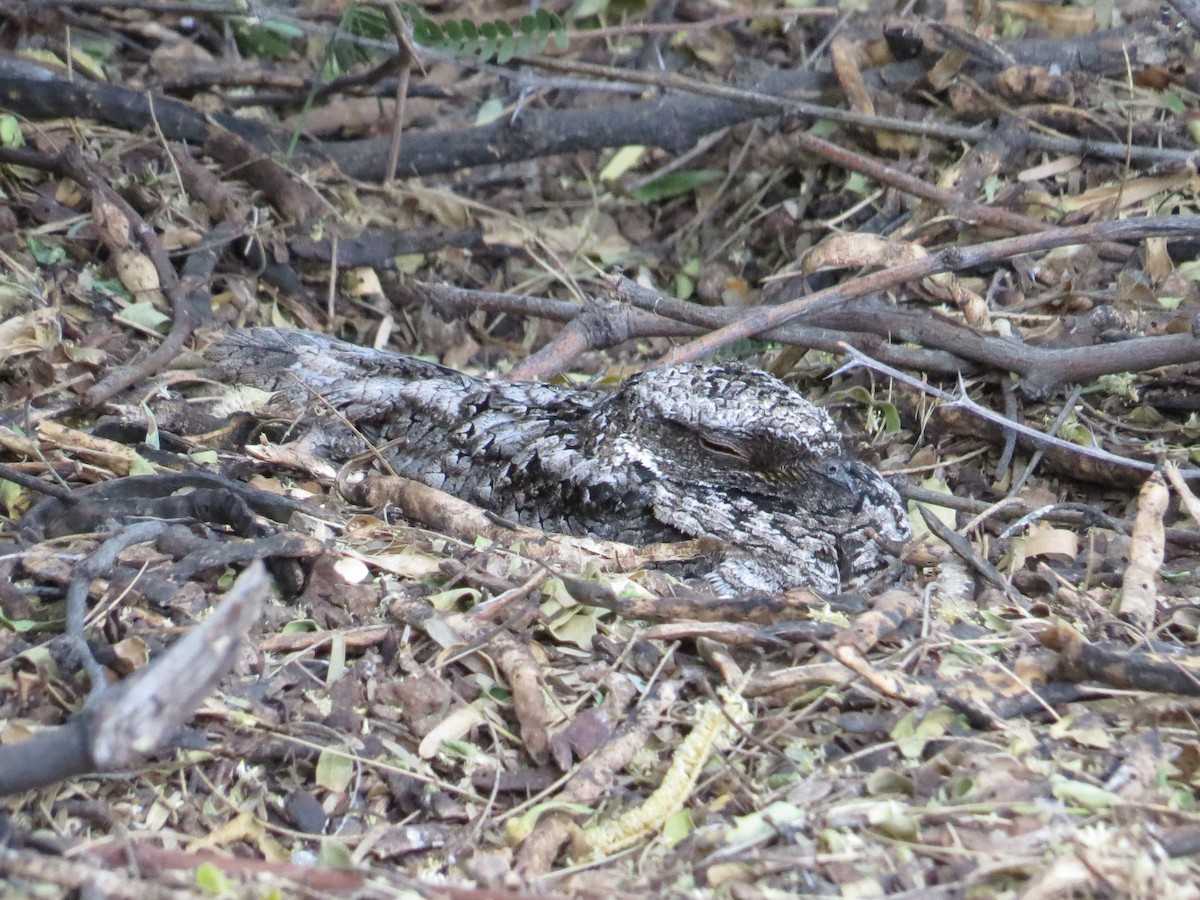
column 121, row 725
column 948, row 259
column 1037, row 438
column 1139, row 593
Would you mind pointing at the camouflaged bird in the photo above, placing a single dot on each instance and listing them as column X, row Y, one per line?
column 723, row 451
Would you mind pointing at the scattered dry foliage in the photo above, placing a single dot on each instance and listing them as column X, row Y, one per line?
column 438, row 704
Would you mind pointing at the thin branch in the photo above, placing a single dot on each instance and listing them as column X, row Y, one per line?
column 663, row 316
column 1038, row 438
column 948, row 259
column 1036, row 458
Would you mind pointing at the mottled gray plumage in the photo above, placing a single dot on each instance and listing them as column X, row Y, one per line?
column 687, row 451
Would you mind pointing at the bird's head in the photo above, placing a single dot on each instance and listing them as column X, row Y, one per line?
column 732, row 428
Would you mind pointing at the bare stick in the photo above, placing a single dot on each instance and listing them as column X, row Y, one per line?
column 948, row 259
column 960, row 399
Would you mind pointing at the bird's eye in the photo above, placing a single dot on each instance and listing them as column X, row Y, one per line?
column 722, row 448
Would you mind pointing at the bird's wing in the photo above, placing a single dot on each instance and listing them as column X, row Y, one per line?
column 498, row 444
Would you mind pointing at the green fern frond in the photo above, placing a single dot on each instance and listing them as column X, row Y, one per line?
column 487, row 40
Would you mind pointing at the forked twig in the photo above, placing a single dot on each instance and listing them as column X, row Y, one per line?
column 960, row 399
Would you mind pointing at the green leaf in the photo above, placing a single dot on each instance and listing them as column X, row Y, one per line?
column 40, row 658
column 20, row 626
column 334, row 770
column 858, row 393
column 366, row 21
column 991, row 187
column 210, row 879
column 335, row 855
column 521, row 827
column 486, row 39
column 674, row 184
column 45, row 254
column 531, row 44
column 301, row 626
column 151, row 427
column 757, row 826
column 487, row 48
column 427, row 33
column 622, row 161
column 1077, row 433
column 858, row 184
column 575, row 626
column 585, row 9
column 489, row 111
column 139, row 466
column 911, row 736
column 454, row 598
column 10, row 496
column 1172, row 102
column 267, row 38
column 1082, row 793
column 678, row 826
column 823, row 128
column 145, row 314
column 1183, row 576
column 284, row 29
column 894, row 820
column 507, row 50
column 332, row 67
column 10, row 132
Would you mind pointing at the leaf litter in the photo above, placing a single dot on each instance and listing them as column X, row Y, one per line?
column 442, row 703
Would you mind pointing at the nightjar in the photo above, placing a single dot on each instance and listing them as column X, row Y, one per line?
column 720, row 450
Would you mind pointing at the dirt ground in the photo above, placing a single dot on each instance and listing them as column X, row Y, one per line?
column 967, row 232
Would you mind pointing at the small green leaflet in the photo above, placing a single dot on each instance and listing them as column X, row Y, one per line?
column 675, row 183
